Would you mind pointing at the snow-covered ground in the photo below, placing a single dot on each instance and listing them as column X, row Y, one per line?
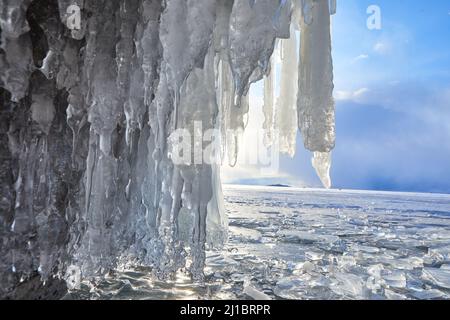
column 315, row 244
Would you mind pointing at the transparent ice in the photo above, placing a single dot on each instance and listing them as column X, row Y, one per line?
column 288, row 243
column 88, row 180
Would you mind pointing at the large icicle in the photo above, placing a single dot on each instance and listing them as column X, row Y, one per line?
column 315, row 98
column 269, row 102
column 102, row 162
column 252, row 38
column 286, row 108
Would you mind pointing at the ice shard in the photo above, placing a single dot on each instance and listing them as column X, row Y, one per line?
column 91, row 95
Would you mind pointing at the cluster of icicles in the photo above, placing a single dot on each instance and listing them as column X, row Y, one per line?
column 87, row 114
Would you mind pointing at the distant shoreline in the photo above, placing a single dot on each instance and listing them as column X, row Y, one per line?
column 279, row 185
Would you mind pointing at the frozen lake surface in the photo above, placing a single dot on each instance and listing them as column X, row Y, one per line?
column 287, row 243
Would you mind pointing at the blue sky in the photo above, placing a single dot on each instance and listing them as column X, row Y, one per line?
column 392, row 90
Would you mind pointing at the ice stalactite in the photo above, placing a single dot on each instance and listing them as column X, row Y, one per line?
column 92, row 94
column 286, row 105
column 251, row 42
column 269, row 101
column 315, row 82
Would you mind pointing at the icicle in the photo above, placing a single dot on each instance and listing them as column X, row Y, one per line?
column 134, row 107
column 225, row 95
column 251, row 25
column 321, row 162
column 315, row 97
column 198, row 109
column 286, row 108
column 269, row 102
column 104, row 111
column 282, row 19
column 148, row 46
column 216, row 220
column 224, row 78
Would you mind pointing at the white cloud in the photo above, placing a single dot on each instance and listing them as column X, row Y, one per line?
column 356, row 95
column 360, row 57
column 381, row 47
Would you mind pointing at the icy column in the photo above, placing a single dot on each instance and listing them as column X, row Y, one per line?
column 269, row 101
column 185, row 43
column 315, row 98
column 223, row 75
column 199, row 111
column 148, row 47
column 141, row 123
column 125, row 49
column 102, row 164
column 286, row 108
column 184, row 46
column 252, row 36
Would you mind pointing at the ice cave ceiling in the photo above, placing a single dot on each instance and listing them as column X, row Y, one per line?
column 90, row 92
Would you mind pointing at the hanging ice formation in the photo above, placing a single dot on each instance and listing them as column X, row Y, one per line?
column 87, row 179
